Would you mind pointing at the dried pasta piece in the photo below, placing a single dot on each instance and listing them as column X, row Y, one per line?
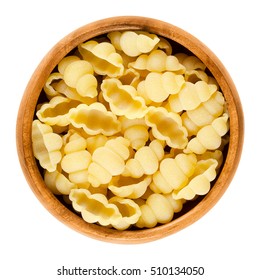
column 130, row 77
column 133, row 43
column 129, row 210
column 156, row 209
column 56, row 111
column 123, row 99
column 191, row 62
column 75, row 70
column 135, row 130
column 208, row 110
column 94, row 208
column 205, row 172
column 94, row 119
column 62, row 65
column 72, row 93
column 217, row 155
column 158, row 61
column 58, row 183
column 129, row 187
column 103, row 57
column 46, row 145
column 159, row 86
column 209, row 137
column 174, row 173
column 167, row 126
column 49, row 85
column 87, row 86
column 76, row 160
column 146, row 160
column 108, row 161
column 164, row 45
column 191, row 96
column 96, row 141
column 194, row 76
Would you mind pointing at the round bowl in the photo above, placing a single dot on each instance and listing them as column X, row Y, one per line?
column 182, row 41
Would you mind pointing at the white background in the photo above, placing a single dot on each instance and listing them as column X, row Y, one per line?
column 33, row 244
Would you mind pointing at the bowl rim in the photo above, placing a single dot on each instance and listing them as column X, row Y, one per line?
column 33, row 90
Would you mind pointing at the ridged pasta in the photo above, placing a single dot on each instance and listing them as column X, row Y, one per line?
column 167, row 126
column 56, row 111
column 133, row 43
column 199, row 183
column 103, row 58
column 135, row 130
column 158, row 208
column 129, row 187
column 123, row 99
column 129, row 210
column 94, row 119
column 76, row 159
column 209, row 137
column 159, row 86
column 58, row 183
column 94, row 208
column 128, row 130
column 145, row 161
column 191, row 96
column 174, row 173
column 108, row 161
column 158, row 61
column 46, row 145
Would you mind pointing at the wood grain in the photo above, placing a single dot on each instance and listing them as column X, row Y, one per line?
column 181, row 39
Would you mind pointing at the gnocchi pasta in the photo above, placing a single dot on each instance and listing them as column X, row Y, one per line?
column 130, row 131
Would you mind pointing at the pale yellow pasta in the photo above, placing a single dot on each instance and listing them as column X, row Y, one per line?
column 72, row 93
column 159, row 86
column 145, row 161
column 46, row 145
column 58, row 182
column 75, row 70
column 130, row 77
column 209, row 137
column 94, row 208
column 129, row 131
column 49, row 85
column 56, row 111
column 135, row 130
column 129, row 187
column 103, row 57
column 208, row 110
column 65, row 62
column 194, row 76
column 129, row 210
column 158, row 61
column 96, row 141
column 167, row 126
column 133, row 43
column 94, row 119
column 76, row 159
column 191, row 96
column 123, row 99
column 108, row 161
column 174, row 173
column 87, row 86
column 204, row 173
column 156, row 209
column 191, row 62
column 164, row 45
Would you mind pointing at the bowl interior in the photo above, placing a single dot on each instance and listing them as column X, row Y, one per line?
column 181, row 42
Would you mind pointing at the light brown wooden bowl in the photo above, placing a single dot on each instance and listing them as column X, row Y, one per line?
column 182, row 41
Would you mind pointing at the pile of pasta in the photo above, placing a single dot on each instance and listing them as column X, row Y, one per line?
column 129, row 131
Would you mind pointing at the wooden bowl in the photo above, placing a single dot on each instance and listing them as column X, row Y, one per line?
column 182, row 41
